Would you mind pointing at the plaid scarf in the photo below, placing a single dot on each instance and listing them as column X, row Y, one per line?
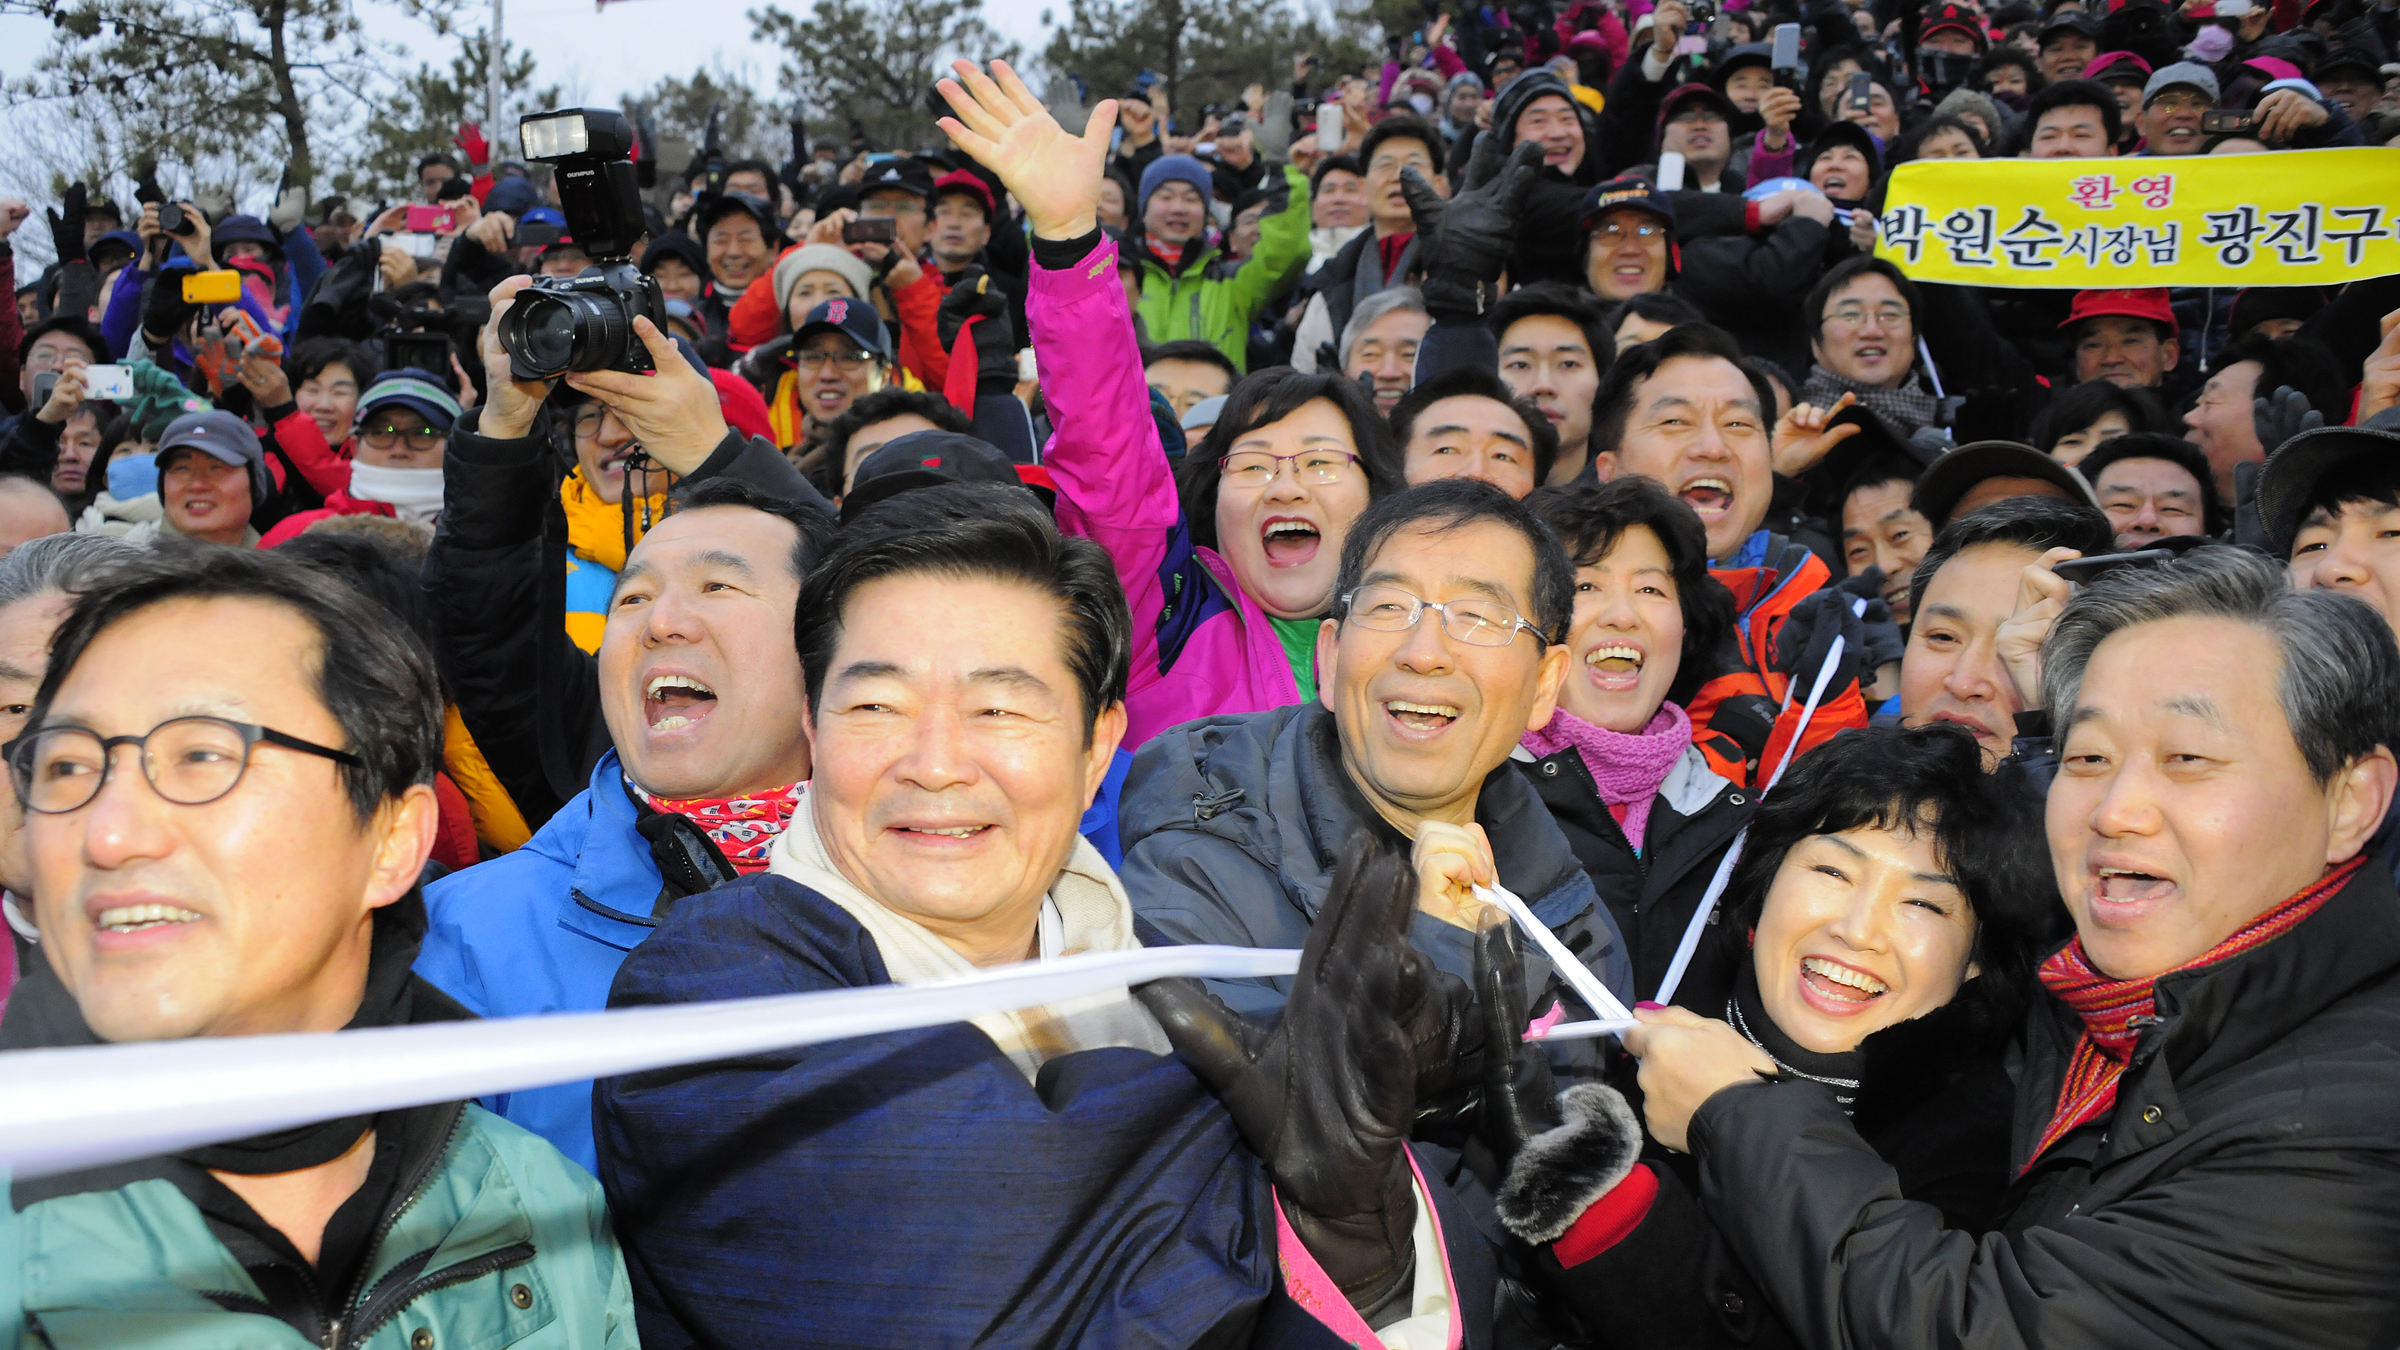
column 1903, row 410
column 743, row 828
column 2115, row 1012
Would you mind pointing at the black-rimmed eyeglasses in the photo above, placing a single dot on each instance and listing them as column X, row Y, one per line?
column 190, row 761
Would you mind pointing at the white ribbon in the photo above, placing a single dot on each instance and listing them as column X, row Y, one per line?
column 1578, row 976
column 62, row 1110
column 1690, row 944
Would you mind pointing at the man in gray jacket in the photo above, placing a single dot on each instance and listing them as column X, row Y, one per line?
column 1441, row 651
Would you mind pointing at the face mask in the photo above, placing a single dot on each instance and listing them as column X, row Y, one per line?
column 1423, row 103
column 414, row 494
column 131, row 476
column 2210, row 45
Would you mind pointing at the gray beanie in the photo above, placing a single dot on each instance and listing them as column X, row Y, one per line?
column 1980, row 106
column 819, row 258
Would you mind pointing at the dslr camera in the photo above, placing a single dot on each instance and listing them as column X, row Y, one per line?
column 562, row 324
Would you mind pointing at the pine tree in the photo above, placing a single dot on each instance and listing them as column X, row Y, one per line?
column 872, row 63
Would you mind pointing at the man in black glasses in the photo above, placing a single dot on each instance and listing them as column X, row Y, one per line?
column 225, row 839
column 1441, row 652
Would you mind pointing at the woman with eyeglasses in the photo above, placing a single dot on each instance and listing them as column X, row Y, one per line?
column 404, row 421
column 1228, row 562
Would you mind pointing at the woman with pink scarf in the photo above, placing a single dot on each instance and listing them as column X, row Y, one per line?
column 1616, row 764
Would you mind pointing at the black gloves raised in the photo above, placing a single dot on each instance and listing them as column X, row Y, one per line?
column 1463, row 244
column 66, row 228
column 1327, row 1096
column 1869, row 639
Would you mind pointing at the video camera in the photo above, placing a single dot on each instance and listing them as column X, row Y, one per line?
column 559, row 324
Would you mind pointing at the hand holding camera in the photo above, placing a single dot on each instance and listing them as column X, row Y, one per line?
column 66, row 393
column 672, row 409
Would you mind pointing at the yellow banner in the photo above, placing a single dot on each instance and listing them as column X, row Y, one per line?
column 2285, row 218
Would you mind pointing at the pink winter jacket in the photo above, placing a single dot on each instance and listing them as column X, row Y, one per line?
column 1200, row 647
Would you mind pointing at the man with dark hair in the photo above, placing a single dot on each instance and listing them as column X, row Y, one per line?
column 1441, row 651
column 1467, row 423
column 2329, row 504
column 1683, row 411
column 2204, row 1103
column 1381, row 256
column 2224, row 422
column 1965, row 592
column 938, row 840
column 1862, row 319
column 2073, row 119
column 1189, row 373
column 2154, row 487
column 1882, row 531
column 881, row 418
column 251, row 868
column 676, row 751
column 1553, row 349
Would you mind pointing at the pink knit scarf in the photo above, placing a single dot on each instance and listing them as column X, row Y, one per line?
column 1627, row 768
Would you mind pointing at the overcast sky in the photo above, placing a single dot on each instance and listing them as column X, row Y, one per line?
column 596, row 56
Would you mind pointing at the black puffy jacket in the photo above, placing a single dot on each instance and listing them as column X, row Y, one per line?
column 1652, row 895
column 2243, row 1191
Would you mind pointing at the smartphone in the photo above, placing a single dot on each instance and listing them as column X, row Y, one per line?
column 1330, row 134
column 2232, row 9
column 535, row 235
column 1862, row 91
column 423, row 245
column 1786, row 59
column 212, row 288
column 44, row 385
column 2084, row 571
column 2217, row 121
column 1027, row 371
column 431, row 220
column 1670, row 171
column 868, row 230
column 110, row 382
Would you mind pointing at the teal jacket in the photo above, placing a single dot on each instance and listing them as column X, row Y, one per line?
column 500, row 1242
column 1189, row 303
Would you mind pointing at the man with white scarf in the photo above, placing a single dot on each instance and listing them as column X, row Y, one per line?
column 1051, row 1176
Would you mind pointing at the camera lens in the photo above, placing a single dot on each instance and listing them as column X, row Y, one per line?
column 550, row 332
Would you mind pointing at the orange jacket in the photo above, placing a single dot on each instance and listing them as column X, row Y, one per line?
column 1739, row 720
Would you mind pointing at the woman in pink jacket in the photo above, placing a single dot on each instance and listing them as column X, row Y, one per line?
column 1230, row 572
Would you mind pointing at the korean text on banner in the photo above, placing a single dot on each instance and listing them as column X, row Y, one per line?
column 2295, row 218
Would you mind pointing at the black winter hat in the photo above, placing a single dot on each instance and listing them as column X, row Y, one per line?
column 1521, row 91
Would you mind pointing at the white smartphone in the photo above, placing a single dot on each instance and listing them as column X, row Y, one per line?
column 1330, row 134
column 109, row 382
column 1670, row 171
column 1027, row 373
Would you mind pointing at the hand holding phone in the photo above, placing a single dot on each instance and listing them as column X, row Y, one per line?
column 109, row 382
column 2219, row 122
column 868, row 230
column 431, row 220
column 1862, row 91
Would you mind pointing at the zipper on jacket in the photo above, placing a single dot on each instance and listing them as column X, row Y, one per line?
column 382, row 1307
column 417, row 1186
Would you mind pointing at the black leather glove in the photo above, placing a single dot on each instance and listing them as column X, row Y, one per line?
column 1883, row 641
column 973, row 296
column 165, row 313
column 1464, row 242
column 1806, row 640
column 66, row 228
column 1519, row 1098
column 2283, row 415
column 1327, row 1096
column 1589, row 1137
column 1446, row 1043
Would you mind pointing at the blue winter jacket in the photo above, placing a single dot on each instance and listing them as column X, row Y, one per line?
column 544, row 929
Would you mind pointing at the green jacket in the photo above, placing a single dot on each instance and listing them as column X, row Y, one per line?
column 1192, row 304
column 499, row 1242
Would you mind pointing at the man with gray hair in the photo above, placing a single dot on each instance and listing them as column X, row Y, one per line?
column 2204, row 1138
column 37, row 579
column 1379, row 345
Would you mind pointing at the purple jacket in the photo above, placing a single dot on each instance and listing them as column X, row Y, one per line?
column 1201, row 647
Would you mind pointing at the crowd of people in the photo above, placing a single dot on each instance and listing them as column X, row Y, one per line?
column 1959, row 722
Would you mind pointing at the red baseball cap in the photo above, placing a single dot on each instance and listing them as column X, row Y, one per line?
column 959, row 180
column 2150, row 303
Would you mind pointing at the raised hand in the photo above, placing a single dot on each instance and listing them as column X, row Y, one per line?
column 1470, row 236
column 1053, row 174
column 1328, row 1095
column 1807, row 433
